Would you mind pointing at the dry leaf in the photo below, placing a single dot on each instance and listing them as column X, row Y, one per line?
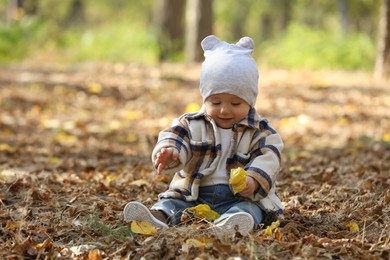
column 95, row 254
column 140, row 183
column 352, row 226
column 203, row 211
column 142, row 227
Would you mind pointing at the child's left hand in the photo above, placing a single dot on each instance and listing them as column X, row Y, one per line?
column 251, row 186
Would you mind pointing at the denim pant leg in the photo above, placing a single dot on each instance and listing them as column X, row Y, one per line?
column 244, row 206
column 222, row 200
column 173, row 208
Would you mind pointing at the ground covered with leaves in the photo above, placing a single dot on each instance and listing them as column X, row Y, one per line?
column 75, row 146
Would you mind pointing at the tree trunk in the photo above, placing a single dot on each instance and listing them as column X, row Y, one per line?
column 343, row 11
column 199, row 25
column 382, row 66
column 76, row 14
column 12, row 11
column 170, row 19
column 286, row 14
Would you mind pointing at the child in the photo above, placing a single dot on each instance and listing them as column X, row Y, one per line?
column 201, row 148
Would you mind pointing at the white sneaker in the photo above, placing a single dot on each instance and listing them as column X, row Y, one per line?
column 135, row 210
column 241, row 222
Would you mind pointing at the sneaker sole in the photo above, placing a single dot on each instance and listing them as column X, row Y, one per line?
column 135, row 210
column 241, row 222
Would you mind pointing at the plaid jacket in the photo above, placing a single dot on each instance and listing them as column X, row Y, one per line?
column 255, row 146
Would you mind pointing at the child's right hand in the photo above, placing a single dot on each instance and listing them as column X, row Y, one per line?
column 165, row 157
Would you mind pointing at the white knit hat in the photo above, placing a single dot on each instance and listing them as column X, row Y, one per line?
column 229, row 68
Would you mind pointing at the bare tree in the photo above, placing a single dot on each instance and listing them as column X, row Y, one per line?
column 170, row 20
column 199, row 16
column 382, row 66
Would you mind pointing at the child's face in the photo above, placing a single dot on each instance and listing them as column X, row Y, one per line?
column 226, row 109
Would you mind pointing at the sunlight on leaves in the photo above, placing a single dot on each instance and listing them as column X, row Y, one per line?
column 95, row 88
column 142, row 227
column 66, row 139
column 352, row 226
column 131, row 137
column 301, row 119
column 192, row 107
column 238, row 179
column 386, row 137
column 203, row 211
column 5, row 148
column 132, row 115
column 109, row 178
column 297, row 168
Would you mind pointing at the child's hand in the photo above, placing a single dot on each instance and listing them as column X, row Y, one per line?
column 165, row 157
column 251, row 186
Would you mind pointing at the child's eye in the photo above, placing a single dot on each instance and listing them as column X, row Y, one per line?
column 215, row 103
column 236, row 104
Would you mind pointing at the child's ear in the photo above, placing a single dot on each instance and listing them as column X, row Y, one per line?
column 210, row 42
column 246, row 42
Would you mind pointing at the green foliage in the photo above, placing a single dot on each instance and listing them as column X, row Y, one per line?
column 109, row 42
column 303, row 47
column 122, row 31
column 18, row 39
column 102, row 229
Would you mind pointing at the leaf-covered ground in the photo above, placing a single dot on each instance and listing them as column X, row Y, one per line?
column 75, row 147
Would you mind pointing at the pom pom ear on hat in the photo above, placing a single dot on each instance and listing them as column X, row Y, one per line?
column 210, row 42
column 246, row 42
column 229, row 68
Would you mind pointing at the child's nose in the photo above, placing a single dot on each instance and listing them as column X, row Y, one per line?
column 225, row 110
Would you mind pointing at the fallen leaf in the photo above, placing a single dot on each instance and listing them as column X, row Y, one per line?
column 203, row 211
column 352, row 226
column 95, row 254
column 140, row 182
column 142, row 227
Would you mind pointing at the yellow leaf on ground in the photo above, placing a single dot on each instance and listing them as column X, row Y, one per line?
column 271, row 228
column 268, row 231
column 95, row 88
column 203, row 211
column 352, row 226
column 5, row 147
column 238, row 179
column 201, row 242
column 142, row 227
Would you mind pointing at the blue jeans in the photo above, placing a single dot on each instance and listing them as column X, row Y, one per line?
column 220, row 199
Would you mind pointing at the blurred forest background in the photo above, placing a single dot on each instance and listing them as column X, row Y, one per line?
column 320, row 34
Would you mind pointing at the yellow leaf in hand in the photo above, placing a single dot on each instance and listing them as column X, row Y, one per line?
column 238, row 179
column 203, row 211
column 352, row 226
column 142, row 227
